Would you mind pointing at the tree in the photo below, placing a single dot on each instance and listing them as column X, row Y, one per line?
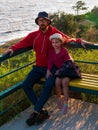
column 80, row 5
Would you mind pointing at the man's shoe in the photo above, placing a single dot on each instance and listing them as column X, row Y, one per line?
column 42, row 117
column 37, row 118
column 32, row 119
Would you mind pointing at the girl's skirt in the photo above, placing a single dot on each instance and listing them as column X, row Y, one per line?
column 69, row 69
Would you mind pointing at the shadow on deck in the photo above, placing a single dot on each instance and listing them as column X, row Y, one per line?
column 81, row 116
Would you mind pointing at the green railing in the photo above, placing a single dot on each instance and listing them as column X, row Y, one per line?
column 5, row 93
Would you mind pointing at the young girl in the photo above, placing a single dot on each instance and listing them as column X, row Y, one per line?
column 66, row 69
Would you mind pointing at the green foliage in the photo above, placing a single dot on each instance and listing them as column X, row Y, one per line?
column 90, row 98
column 91, row 33
column 12, row 64
column 76, row 26
column 89, row 55
column 11, row 79
column 79, row 18
column 65, row 23
column 92, row 16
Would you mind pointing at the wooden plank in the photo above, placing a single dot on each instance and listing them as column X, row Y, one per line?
column 84, row 85
column 88, row 82
column 89, row 75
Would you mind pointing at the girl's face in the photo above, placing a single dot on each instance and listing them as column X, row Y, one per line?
column 56, row 43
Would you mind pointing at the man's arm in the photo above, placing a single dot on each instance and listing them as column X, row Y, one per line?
column 77, row 40
column 26, row 42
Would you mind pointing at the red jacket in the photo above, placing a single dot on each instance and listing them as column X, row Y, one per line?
column 58, row 59
column 40, row 43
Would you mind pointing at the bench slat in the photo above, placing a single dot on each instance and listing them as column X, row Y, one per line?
column 95, row 82
column 90, row 80
column 84, row 85
column 90, row 75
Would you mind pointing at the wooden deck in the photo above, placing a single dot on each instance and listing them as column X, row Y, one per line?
column 81, row 116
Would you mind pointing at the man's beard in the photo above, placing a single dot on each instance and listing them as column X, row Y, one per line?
column 43, row 27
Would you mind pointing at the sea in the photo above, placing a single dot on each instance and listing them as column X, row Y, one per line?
column 17, row 17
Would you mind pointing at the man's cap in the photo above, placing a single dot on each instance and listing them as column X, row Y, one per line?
column 42, row 15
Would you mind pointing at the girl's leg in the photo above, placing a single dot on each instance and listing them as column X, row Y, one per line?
column 58, row 87
column 60, row 97
column 65, row 83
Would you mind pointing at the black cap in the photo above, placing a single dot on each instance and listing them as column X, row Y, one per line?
column 42, row 15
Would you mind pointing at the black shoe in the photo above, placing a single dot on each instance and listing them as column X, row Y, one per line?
column 42, row 117
column 44, row 112
column 32, row 119
column 36, row 118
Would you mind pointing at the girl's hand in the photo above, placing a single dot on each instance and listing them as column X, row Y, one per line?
column 48, row 74
column 56, row 73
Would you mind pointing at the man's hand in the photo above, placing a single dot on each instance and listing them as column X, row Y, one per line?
column 83, row 42
column 9, row 51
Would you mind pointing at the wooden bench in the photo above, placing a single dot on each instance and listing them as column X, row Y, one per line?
column 88, row 83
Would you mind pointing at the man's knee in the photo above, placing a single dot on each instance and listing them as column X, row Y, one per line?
column 27, row 85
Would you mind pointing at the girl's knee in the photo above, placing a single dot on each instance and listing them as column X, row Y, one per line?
column 65, row 81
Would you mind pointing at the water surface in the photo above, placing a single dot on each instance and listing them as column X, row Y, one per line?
column 17, row 17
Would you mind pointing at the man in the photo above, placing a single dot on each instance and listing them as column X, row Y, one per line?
column 39, row 40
